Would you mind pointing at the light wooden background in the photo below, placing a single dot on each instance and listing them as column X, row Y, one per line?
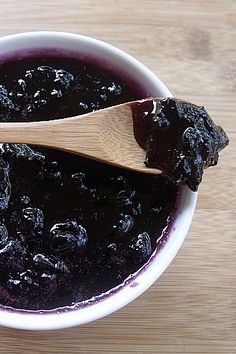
column 191, row 45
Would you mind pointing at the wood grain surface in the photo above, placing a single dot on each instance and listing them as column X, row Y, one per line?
column 191, row 46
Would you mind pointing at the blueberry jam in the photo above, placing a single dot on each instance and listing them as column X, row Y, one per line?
column 180, row 138
column 70, row 228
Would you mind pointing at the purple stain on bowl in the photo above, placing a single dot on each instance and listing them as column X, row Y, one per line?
column 134, row 284
column 72, row 231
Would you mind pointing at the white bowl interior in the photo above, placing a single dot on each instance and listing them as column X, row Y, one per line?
column 160, row 260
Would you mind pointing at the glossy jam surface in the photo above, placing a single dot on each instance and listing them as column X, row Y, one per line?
column 51, row 88
column 179, row 138
column 70, row 228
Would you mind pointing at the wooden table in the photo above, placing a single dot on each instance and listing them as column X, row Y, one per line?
column 191, row 46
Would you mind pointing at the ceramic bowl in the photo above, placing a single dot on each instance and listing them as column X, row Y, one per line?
column 135, row 71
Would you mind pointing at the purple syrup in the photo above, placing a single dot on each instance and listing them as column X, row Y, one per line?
column 179, row 138
column 70, row 228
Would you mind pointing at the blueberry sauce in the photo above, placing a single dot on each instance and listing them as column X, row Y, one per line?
column 179, row 138
column 70, row 228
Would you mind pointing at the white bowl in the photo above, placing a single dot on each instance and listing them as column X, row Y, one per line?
column 148, row 274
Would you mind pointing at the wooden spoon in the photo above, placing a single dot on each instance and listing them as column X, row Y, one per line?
column 105, row 135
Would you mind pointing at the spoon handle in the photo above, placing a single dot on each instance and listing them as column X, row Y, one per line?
column 98, row 135
column 73, row 134
column 105, row 135
column 37, row 133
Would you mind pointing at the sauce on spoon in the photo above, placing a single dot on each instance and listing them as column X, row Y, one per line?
column 180, row 138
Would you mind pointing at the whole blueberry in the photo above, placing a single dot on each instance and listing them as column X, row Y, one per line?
column 68, row 237
column 140, row 248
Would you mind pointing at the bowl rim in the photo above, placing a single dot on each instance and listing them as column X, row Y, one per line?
column 148, row 274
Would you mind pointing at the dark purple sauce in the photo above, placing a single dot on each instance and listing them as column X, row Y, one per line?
column 70, row 228
column 179, row 138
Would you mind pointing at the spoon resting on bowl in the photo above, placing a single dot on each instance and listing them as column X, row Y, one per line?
column 180, row 138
